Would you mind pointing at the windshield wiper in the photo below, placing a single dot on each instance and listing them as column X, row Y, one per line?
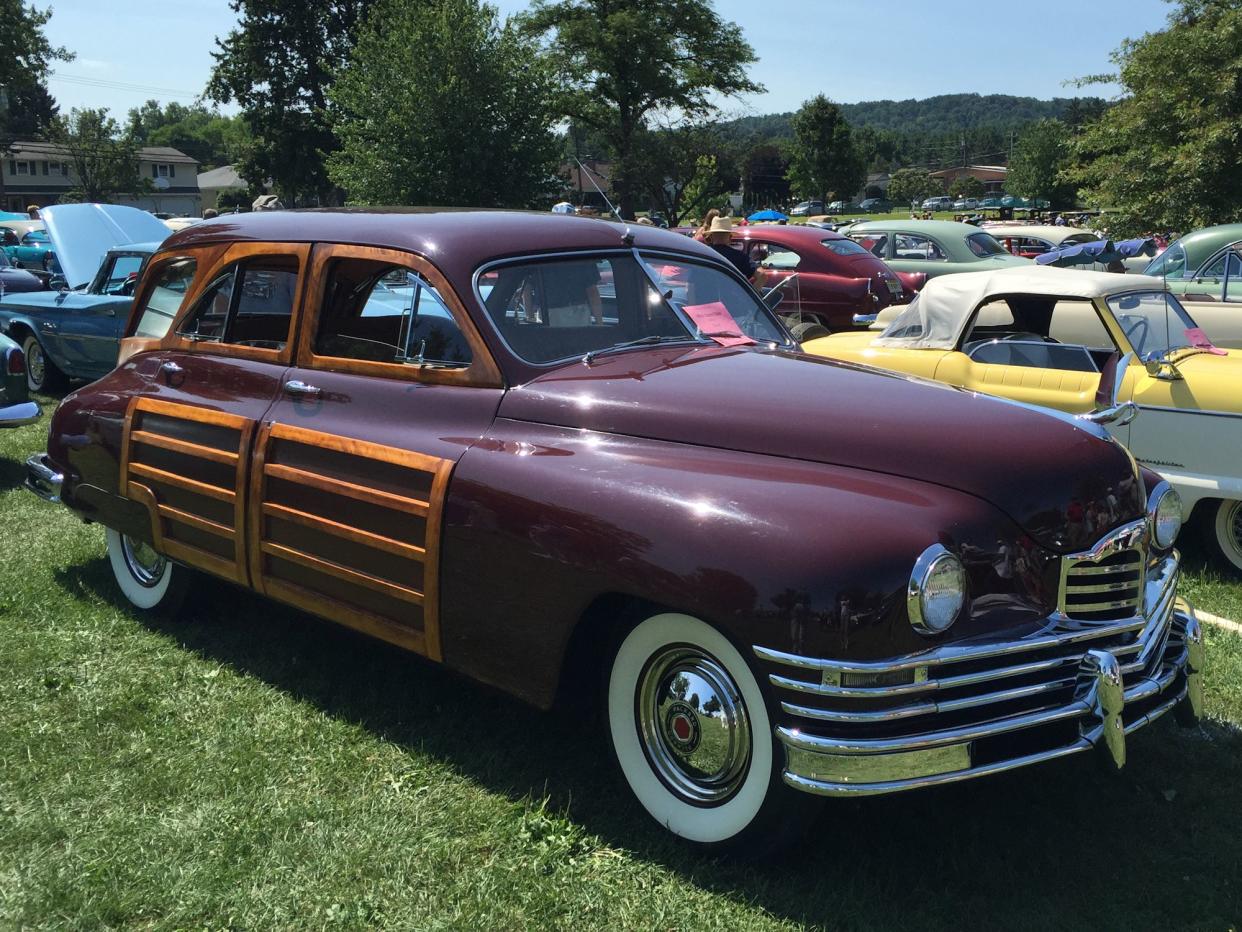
column 641, row 341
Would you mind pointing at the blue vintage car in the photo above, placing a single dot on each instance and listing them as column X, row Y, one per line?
column 27, row 244
column 75, row 332
column 16, row 408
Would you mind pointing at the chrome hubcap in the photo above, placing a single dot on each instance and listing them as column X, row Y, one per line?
column 145, row 565
column 694, row 725
column 1235, row 526
column 34, row 363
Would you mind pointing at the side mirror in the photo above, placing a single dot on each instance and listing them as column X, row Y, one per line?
column 1158, row 366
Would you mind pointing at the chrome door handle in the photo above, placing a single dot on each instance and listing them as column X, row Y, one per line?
column 296, row 387
column 171, row 368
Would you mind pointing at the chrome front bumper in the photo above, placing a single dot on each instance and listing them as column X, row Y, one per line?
column 969, row 710
column 20, row 414
column 42, row 479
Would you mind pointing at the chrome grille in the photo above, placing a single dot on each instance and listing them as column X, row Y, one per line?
column 1102, row 590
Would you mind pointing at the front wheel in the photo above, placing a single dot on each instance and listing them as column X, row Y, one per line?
column 41, row 373
column 691, row 733
column 1228, row 533
column 149, row 581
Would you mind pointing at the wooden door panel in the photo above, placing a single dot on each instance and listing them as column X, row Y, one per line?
column 187, row 465
column 361, row 552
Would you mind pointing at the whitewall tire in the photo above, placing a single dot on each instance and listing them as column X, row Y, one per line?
column 690, row 729
column 149, row 581
column 1228, row 532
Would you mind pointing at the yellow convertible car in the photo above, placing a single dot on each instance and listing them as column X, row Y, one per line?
column 1043, row 336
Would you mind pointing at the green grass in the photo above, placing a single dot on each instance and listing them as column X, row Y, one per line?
column 248, row 767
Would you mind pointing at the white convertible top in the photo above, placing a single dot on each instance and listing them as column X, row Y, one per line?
column 938, row 313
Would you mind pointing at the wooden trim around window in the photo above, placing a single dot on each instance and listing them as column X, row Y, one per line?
column 203, row 257
column 482, row 371
column 208, row 272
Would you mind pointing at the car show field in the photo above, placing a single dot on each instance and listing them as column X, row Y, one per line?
column 246, row 765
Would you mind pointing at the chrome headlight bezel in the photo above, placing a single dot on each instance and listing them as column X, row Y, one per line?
column 934, row 566
column 1164, row 511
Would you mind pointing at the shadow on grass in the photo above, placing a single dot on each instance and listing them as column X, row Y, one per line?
column 1065, row 844
column 12, row 474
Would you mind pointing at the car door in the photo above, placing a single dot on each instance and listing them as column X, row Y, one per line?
column 90, row 327
column 391, row 384
column 187, row 436
column 1214, row 298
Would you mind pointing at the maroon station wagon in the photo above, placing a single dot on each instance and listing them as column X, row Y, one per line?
column 825, row 280
column 554, row 454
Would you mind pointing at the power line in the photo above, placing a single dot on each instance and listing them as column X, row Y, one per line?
column 85, row 81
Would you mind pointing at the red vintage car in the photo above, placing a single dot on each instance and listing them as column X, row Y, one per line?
column 557, row 455
column 826, row 280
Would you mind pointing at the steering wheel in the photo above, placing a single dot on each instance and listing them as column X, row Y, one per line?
column 1140, row 324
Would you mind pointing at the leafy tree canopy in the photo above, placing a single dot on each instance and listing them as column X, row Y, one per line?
column 966, row 186
column 441, row 105
column 911, row 184
column 618, row 62
column 1039, row 162
column 277, row 65
column 104, row 162
column 823, row 157
column 204, row 134
column 26, row 57
column 1167, row 155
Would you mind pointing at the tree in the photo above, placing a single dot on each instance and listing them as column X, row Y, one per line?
column 823, row 158
column 32, row 112
column 908, row 185
column 966, row 186
column 682, row 168
column 202, row 133
column 104, row 162
column 619, row 62
column 1166, row 155
column 277, row 65
column 1040, row 160
column 26, row 56
column 440, row 104
column 765, row 169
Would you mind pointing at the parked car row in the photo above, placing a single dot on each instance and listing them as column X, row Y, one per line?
column 557, row 455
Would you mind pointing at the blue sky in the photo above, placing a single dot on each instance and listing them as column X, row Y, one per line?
column 850, row 50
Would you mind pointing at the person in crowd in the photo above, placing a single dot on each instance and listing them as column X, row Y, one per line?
column 718, row 236
column 708, row 219
column 210, row 212
column 32, row 211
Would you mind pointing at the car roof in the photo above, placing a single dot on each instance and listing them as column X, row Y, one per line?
column 930, row 227
column 443, row 235
column 946, row 302
column 789, row 233
column 1199, row 243
column 1046, row 231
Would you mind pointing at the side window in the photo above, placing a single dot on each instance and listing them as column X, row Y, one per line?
column 1216, row 268
column 571, row 293
column 779, row 257
column 164, row 300
column 912, row 246
column 875, row 243
column 250, row 303
column 381, row 312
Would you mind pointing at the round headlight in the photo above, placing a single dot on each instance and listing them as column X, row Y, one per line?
column 1164, row 512
column 937, row 590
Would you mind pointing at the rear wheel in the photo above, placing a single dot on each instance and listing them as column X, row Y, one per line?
column 808, row 330
column 149, row 581
column 1228, row 533
column 691, row 733
column 41, row 373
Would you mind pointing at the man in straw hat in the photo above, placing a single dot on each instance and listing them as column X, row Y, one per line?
column 718, row 236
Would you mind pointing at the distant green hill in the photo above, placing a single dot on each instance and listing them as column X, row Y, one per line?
column 935, row 115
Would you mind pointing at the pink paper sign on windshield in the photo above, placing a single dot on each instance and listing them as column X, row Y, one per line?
column 715, row 321
column 1199, row 340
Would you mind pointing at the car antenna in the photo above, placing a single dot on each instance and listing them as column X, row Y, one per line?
column 628, row 236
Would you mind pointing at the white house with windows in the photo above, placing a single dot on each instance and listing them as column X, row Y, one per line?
column 39, row 173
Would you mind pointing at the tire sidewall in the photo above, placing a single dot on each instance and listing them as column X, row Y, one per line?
column 32, row 342
column 706, row 825
column 1226, row 543
column 147, row 598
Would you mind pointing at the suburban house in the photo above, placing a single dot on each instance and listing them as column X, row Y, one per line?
column 40, row 173
column 213, row 183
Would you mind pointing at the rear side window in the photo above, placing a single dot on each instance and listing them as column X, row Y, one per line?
column 164, row 299
column 844, row 247
column 250, row 303
column 381, row 312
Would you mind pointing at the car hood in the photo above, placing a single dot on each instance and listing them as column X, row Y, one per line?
column 1038, row 467
column 82, row 234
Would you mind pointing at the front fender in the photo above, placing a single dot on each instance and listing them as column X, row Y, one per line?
column 541, row 521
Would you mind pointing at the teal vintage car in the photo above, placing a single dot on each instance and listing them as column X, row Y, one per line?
column 16, row 408
column 921, row 249
column 1204, row 269
column 27, row 244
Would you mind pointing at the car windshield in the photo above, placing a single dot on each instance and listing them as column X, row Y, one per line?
column 844, row 247
column 983, row 245
column 1169, row 264
column 1154, row 322
column 557, row 309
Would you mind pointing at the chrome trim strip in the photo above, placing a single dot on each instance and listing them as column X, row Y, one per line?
column 42, row 480
column 1165, row 410
column 19, row 414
